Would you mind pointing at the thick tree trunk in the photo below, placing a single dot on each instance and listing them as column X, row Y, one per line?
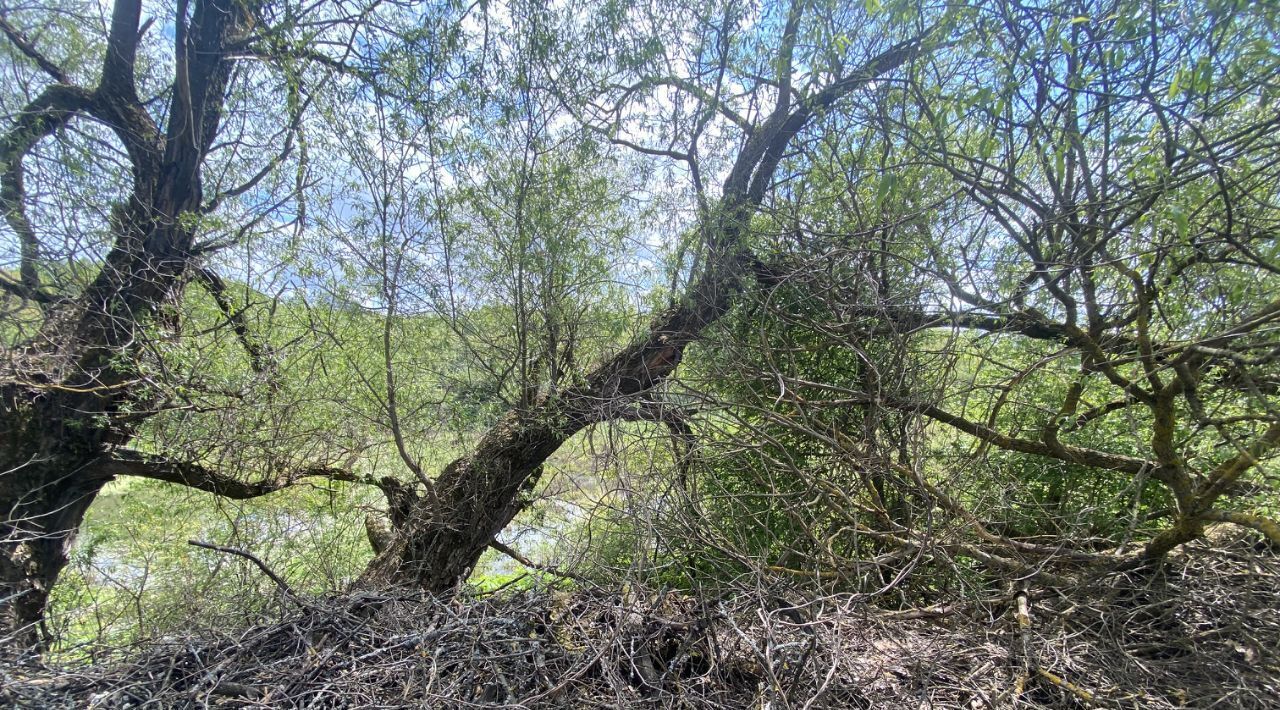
column 48, row 479
column 437, row 543
column 439, row 536
column 35, row 539
column 60, row 393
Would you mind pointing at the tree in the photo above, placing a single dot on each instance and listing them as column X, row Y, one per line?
column 1077, row 214
column 442, row 528
column 1118, row 180
column 90, row 317
column 990, row 225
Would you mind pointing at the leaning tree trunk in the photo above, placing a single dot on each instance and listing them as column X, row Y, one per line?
column 440, row 534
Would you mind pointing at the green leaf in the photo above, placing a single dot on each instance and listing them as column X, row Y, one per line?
column 885, row 189
column 1180, row 222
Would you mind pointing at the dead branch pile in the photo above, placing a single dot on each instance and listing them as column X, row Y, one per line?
column 1203, row 633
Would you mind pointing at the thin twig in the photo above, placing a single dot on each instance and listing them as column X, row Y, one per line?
column 279, row 581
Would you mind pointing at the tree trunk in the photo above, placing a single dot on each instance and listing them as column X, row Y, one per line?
column 37, row 536
column 475, row 497
column 61, row 393
column 439, row 536
column 48, row 479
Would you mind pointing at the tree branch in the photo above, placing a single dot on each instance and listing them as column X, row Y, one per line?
column 17, row 289
column 677, row 422
column 129, row 462
column 515, row 555
column 291, row 132
column 1221, row 477
column 702, row 95
column 122, row 50
column 45, row 115
column 279, row 581
column 1268, row 527
column 217, row 288
column 27, row 47
column 1061, row 452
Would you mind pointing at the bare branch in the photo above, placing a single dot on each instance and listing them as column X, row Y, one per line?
column 279, row 581
column 129, row 462
column 217, row 288
column 27, row 47
column 45, row 115
column 1269, row 528
column 1062, row 452
column 1221, row 477
column 515, row 555
column 706, row 98
column 17, row 289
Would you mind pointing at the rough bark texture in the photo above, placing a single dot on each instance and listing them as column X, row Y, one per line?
column 45, row 493
column 438, row 536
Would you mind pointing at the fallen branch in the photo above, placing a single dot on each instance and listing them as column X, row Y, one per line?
column 1065, row 684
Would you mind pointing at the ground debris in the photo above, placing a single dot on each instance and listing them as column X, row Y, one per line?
column 1205, row 632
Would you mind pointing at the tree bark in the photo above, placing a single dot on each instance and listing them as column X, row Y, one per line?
column 439, row 535
column 40, row 527
column 48, row 478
